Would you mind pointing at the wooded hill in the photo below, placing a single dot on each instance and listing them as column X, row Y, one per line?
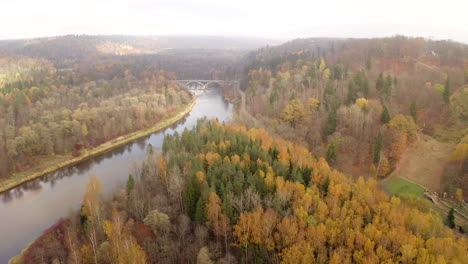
column 360, row 102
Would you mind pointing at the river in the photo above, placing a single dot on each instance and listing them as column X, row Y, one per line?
column 28, row 209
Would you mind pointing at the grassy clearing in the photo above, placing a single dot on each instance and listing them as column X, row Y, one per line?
column 51, row 164
column 400, row 187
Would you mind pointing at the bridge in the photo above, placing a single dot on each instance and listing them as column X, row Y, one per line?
column 200, row 83
column 203, row 84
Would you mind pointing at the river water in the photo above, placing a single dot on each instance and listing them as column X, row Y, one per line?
column 27, row 210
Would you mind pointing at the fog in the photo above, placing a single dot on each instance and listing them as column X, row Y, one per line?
column 263, row 18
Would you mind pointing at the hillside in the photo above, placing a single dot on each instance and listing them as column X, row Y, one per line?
column 79, row 47
column 359, row 102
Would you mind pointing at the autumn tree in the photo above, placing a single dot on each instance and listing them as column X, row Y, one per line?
column 158, row 221
column 294, row 112
column 93, row 212
column 124, row 247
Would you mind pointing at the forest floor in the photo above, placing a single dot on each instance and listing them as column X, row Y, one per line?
column 61, row 161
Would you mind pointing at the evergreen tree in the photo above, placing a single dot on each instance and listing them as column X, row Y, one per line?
column 150, row 149
column 414, row 111
column 388, row 86
column 331, row 123
column 447, row 91
column 200, row 214
column 191, row 196
column 378, row 148
column 385, row 117
column 379, row 84
column 227, row 207
column 352, row 92
column 130, row 184
column 332, row 153
column 451, row 218
column 368, row 63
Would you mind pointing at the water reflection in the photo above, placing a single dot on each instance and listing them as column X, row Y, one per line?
column 30, row 208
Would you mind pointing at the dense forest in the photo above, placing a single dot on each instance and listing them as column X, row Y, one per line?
column 227, row 194
column 342, row 150
column 360, row 103
column 46, row 112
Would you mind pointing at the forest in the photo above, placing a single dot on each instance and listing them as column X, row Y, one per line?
column 62, row 95
column 362, row 103
column 231, row 195
column 46, row 112
column 340, row 150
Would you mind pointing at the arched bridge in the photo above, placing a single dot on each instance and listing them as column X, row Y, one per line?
column 201, row 84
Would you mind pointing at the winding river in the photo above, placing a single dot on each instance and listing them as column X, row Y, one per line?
column 28, row 209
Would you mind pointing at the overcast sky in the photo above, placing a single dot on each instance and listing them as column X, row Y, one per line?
column 441, row 19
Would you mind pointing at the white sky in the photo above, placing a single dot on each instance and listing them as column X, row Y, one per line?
column 441, row 19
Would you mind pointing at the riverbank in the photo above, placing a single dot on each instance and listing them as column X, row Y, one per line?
column 67, row 160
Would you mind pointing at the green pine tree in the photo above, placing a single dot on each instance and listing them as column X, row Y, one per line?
column 191, row 196
column 378, row 148
column 447, row 91
column 130, row 183
column 379, row 84
column 331, row 123
column 451, row 218
column 332, row 153
column 200, row 214
column 388, row 86
column 385, row 117
column 414, row 111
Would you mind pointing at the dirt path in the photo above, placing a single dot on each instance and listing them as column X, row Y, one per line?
column 424, row 162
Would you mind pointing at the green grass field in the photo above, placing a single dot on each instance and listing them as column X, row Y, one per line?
column 400, row 187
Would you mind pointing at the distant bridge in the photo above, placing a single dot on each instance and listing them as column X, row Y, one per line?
column 202, row 84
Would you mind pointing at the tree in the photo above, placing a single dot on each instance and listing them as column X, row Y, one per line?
column 130, row 183
column 447, row 91
column 385, row 116
column 92, row 211
column 124, row 247
column 362, row 103
column 451, row 218
column 378, row 148
column 213, row 212
column 414, row 111
column 459, row 194
column 388, row 86
column 159, row 222
column 379, row 84
column 200, row 214
column 332, row 153
column 331, row 123
column 294, row 112
column 384, row 168
column 162, row 171
column 368, row 63
column 352, row 92
column 203, row 256
column 191, row 195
